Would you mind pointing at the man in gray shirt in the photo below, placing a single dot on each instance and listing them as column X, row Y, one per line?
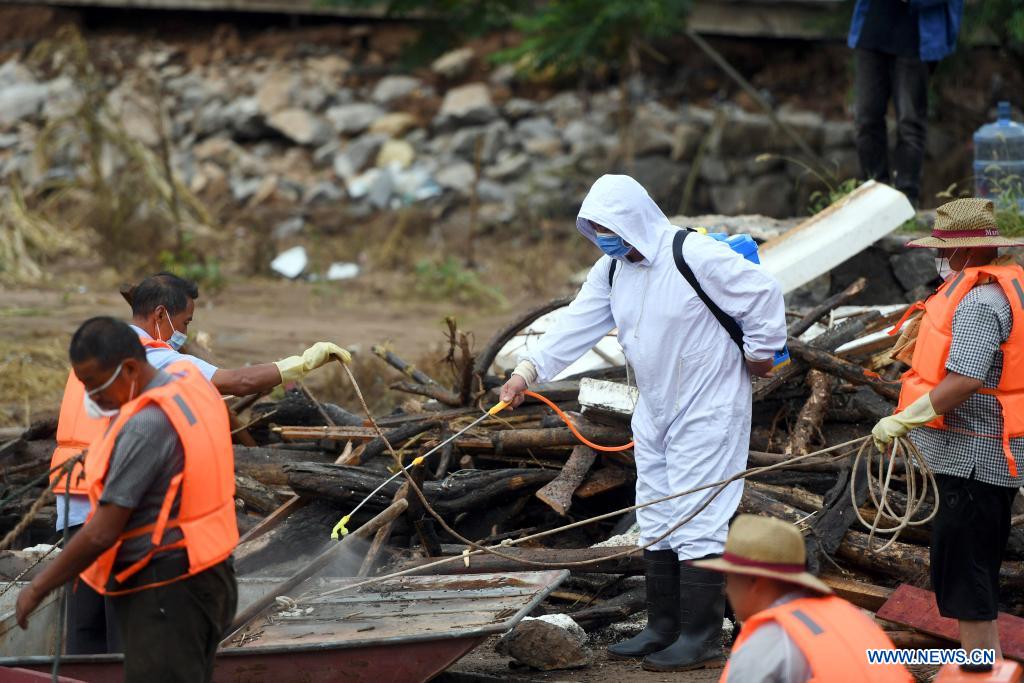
column 170, row 617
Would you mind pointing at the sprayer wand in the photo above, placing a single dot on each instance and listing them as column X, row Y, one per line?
column 341, row 530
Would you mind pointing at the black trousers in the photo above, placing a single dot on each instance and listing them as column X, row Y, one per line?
column 90, row 622
column 880, row 78
column 969, row 535
column 171, row 632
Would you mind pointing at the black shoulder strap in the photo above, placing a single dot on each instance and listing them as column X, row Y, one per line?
column 730, row 325
column 611, row 271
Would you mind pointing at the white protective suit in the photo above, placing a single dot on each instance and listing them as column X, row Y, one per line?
column 692, row 423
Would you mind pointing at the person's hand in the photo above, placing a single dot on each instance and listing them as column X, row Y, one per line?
column 759, row 368
column 918, row 413
column 513, row 392
column 317, row 355
column 28, row 600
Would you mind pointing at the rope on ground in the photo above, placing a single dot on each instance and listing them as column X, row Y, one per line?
column 921, row 489
column 494, row 550
column 10, row 584
column 42, row 500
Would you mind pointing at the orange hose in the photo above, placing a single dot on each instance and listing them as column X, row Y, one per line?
column 572, row 427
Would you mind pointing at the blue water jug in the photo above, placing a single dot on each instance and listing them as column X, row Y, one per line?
column 744, row 245
column 999, row 160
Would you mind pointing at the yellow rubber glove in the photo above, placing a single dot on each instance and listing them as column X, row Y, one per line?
column 918, row 413
column 296, row 367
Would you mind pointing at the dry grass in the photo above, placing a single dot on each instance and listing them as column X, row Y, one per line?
column 32, row 378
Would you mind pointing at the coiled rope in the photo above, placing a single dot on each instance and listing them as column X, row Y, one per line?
column 921, row 489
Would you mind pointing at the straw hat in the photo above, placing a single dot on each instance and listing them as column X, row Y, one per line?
column 765, row 546
column 965, row 223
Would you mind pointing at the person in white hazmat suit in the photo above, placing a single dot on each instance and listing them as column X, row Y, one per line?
column 691, row 425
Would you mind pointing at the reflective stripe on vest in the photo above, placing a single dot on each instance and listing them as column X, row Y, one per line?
column 205, row 487
column 833, row 636
column 76, row 430
column 935, row 336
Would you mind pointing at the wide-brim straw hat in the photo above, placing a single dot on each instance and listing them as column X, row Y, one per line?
column 765, row 546
column 965, row 223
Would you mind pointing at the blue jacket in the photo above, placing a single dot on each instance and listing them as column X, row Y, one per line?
column 938, row 23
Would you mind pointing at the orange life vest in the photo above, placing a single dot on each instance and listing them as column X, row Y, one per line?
column 833, row 635
column 206, row 514
column 76, row 430
column 928, row 366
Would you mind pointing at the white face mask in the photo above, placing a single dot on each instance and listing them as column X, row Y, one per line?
column 93, row 409
column 177, row 339
column 943, row 268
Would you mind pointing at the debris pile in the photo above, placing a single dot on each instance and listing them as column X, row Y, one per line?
column 302, row 465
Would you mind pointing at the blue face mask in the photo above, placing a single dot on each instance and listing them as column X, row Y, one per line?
column 177, row 339
column 613, row 246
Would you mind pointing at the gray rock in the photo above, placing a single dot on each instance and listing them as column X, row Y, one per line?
column 541, row 645
column 391, row 88
column 491, row 138
column 491, row 192
column 244, row 188
column 352, row 119
column 686, row 139
column 454, row 64
column 504, row 75
column 13, row 72
column 651, row 140
column 519, row 108
column 467, row 105
column 715, row 170
column 811, row 293
column 913, row 268
column 21, row 101
column 873, row 264
column 537, row 127
column 585, row 138
column 244, row 118
column 458, row 177
column 564, row 107
column 301, row 127
column 356, row 155
column 509, row 165
column 324, row 192
column 276, row 91
column 9, row 140
column 323, row 155
column 288, row 228
column 663, row 180
column 770, row 195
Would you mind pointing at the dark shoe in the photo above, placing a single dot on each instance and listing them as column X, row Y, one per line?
column 702, row 607
column 662, row 572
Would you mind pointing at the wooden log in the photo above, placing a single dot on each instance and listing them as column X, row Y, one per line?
column 557, row 494
column 469, row 491
column 846, row 331
column 434, row 391
column 407, row 369
column 808, row 422
column 842, row 369
column 395, row 437
column 615, row 609
column 825, row 307
column 265, row 465
column 482, row 365
column 522, row 439
column 837, row 515
column 255, row 495
column 298, row 409
column 552, row 558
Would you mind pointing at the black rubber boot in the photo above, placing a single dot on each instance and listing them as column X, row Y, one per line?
column 662, row 572
column 702, row 608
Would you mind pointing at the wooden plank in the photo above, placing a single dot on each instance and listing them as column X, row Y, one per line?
column 604, row 480
column 916, row 608
column 864, row 595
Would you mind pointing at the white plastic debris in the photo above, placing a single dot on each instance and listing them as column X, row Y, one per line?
column 342, row 271
column 290, row 263
column 40, row 549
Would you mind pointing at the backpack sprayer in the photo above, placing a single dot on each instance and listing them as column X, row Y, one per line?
column 745, row 246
